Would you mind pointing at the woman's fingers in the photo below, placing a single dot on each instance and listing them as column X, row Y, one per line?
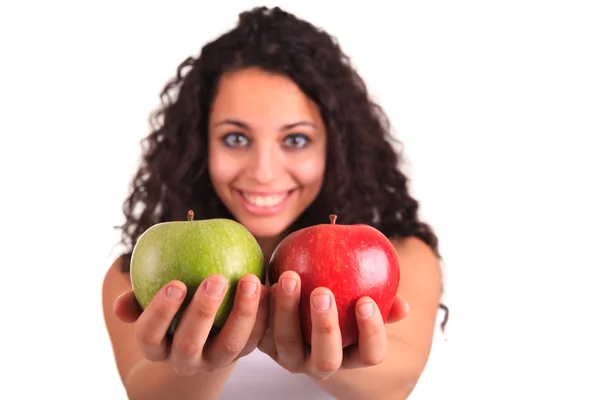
column 372, row 337
column 266, row 344
column 234, row 335
column 188, row 353
column 326, row 341
column 287, row 332
column 195, row 325
column 153, row 323
column 260, row 325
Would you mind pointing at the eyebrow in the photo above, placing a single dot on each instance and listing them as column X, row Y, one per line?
column 242, row 125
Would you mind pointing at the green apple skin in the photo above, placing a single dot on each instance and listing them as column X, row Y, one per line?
column 190, row 251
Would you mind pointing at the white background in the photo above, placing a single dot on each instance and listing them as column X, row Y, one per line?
column 497, row 103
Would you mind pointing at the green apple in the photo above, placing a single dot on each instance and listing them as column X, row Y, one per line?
column 190, row 251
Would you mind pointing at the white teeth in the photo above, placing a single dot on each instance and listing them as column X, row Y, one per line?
column 264, row 201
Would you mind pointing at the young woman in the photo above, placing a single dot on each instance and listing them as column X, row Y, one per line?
column 271, row 126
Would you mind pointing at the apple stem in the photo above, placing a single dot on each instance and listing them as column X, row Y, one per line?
column 190, row 215
column 332, row 218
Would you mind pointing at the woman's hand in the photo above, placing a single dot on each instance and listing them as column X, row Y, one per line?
column 191, row 349
column 283, row 338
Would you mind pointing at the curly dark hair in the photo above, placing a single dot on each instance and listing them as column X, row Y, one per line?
column 363, row 182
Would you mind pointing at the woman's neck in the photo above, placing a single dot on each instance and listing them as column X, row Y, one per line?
column 268, row 245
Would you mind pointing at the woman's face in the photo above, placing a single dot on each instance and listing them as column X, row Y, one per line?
column 267, row 147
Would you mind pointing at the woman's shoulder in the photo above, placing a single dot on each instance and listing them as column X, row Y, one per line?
column 116, row 279
column 413, row 247
column 419, row 264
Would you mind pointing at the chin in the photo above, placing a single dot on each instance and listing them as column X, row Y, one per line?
column 263, row 229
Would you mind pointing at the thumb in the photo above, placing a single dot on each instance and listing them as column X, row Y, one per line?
column 126, row 307
column 399, row 310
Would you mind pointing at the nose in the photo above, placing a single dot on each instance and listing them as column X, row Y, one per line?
column 266, row 163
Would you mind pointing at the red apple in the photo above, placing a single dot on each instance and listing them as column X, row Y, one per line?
column 352, row 261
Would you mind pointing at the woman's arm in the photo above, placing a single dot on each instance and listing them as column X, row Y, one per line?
column 409, row 340
column 149, row 380
column 144, row 379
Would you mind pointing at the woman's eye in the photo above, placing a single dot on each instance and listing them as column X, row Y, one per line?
column 296, row 141
column 235, row 140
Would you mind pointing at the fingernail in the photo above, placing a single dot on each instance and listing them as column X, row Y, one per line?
column 174, row 293
column 366, row 309
column 248, row 288
column 288, row 285
column 321, row 302
column 214, row 289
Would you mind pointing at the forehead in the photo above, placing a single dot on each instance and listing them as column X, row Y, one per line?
column 258, row 97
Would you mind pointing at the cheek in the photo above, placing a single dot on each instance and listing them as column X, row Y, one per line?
column 221, row 168
column 310, row 171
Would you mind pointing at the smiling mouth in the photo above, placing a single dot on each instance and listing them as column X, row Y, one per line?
column 265, row 200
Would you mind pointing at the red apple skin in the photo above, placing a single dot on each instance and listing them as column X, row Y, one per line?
column 352, row 261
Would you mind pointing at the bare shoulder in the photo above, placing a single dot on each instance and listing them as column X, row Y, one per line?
column 420, row 286
column 121, row 335
column 413, row 250
column 418, row 262
column 115, row 284
column 420, row 281
column 115, row 281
